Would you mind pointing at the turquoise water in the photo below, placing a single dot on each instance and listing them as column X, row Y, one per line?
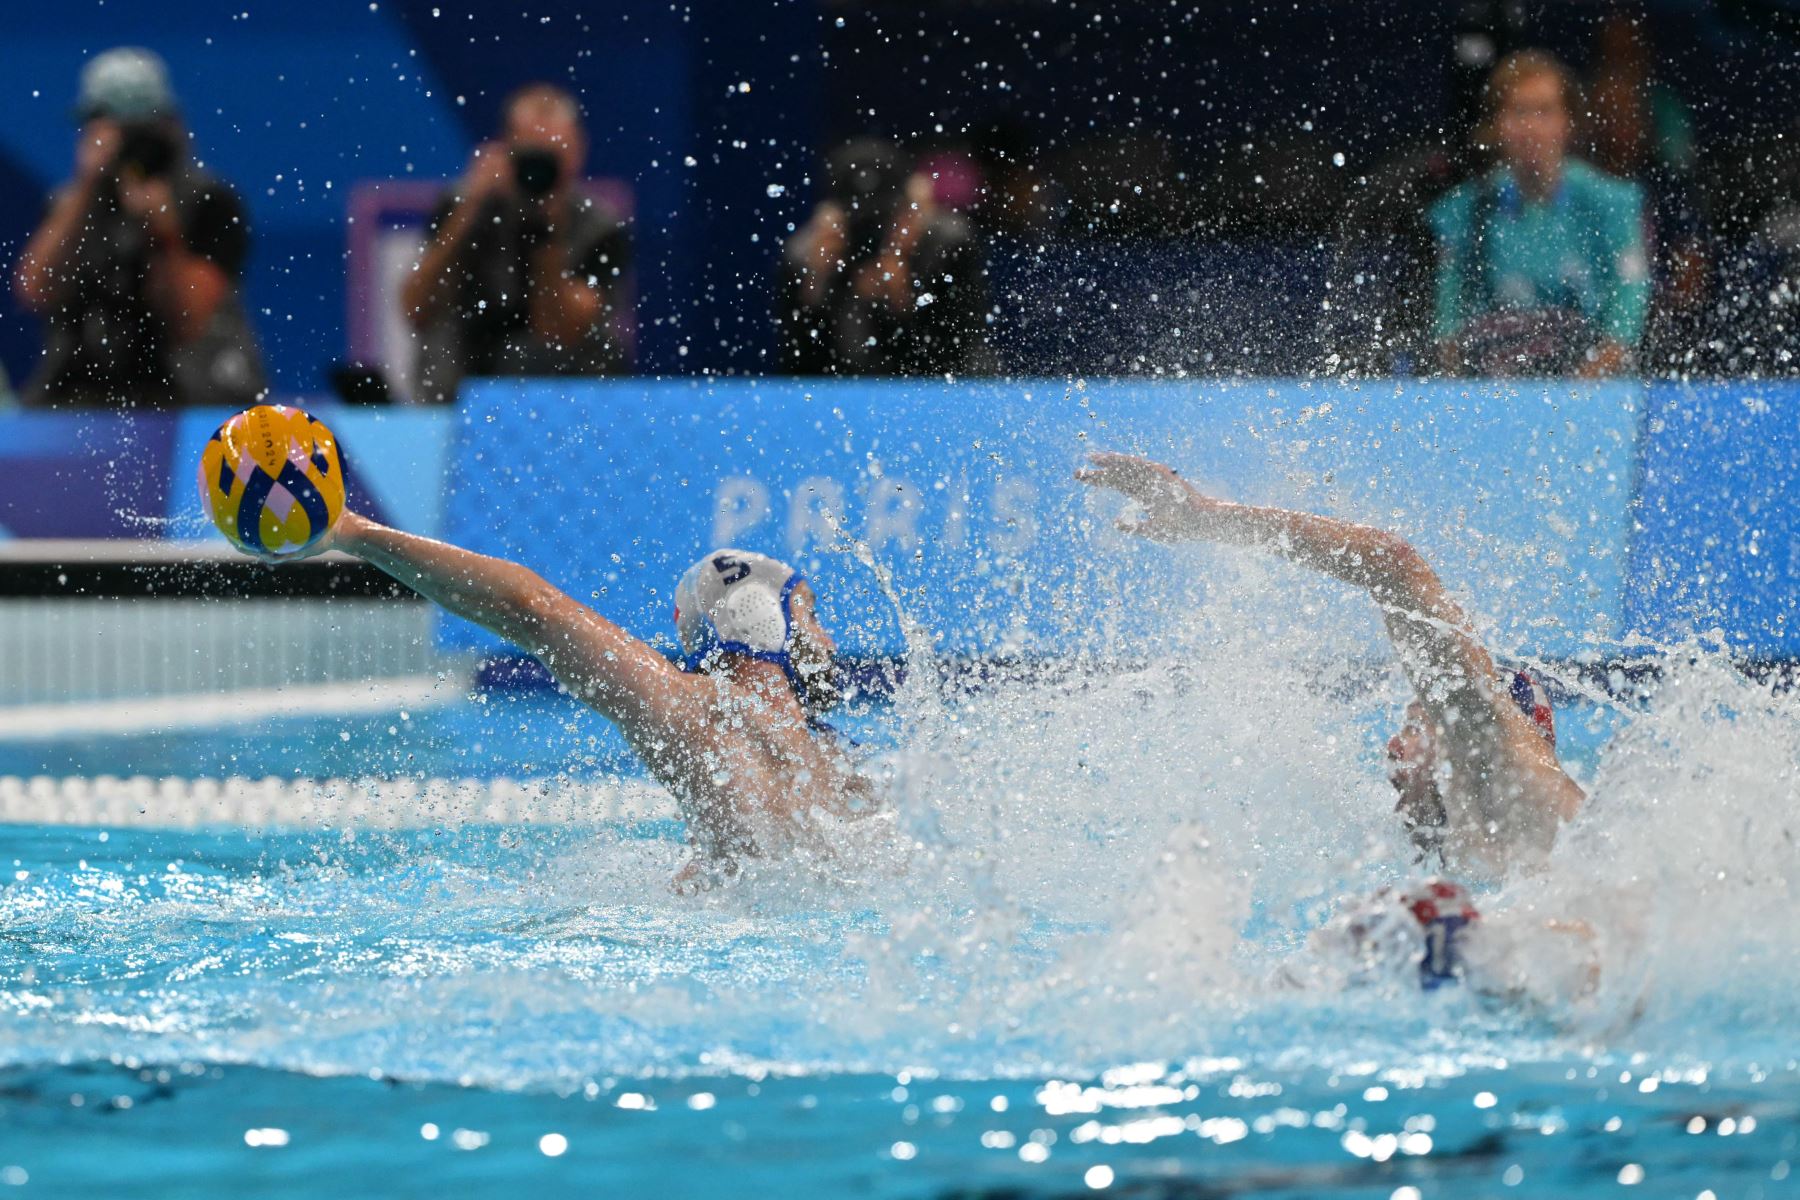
column 418, row 1012
column 1065, row 992
column 526, row 734
column 157, row 1132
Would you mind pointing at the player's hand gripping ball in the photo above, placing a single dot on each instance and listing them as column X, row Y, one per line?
column 271, row 481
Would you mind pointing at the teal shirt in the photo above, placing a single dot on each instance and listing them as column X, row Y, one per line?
column 1583, row 248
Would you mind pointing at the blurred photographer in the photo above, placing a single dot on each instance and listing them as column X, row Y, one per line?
column 522, row 271
column 885, row 278
column 135, row 269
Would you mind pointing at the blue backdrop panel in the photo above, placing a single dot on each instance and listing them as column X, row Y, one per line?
column 393, row 465
column 134, row 475
column 1717, row 516
column 84, row 475
column 962, row 492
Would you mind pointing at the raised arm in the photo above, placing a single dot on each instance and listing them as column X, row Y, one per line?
column 1442, row 658
column 43, row 278
column 602, row 665
column 1520, row 793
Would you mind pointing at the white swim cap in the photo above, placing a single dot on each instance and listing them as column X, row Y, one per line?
column 737, row 602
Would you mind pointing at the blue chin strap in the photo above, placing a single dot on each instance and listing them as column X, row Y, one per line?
column 714, row 644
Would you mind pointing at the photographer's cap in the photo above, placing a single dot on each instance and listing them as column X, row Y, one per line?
column 127, row 83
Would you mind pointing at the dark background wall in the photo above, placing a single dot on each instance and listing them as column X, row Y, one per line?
column 1368, row 74
column 715, row 111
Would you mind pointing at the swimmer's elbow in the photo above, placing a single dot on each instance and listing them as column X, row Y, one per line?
column 539, row 610
column 1392, row 555
column 1398, row 572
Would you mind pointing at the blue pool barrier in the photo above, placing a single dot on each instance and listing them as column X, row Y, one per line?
column 1518, row 492
column 1573, row 518
column 91, row 474
column 1717, row 519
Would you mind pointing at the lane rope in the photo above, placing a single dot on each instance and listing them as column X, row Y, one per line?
column 160, row 714
column 274, row 803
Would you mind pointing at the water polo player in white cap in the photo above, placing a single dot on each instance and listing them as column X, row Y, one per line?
column 735, row 736
column 1475, row 762
column 737, row 606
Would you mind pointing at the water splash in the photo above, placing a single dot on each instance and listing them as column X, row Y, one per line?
column 1101, row 866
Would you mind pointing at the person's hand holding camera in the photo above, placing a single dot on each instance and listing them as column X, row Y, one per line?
column 888, row 279
column 96, row 149
column 819, row 249
column 910, row 224
column 151, row 200
column 489, row 173
column 824, row 239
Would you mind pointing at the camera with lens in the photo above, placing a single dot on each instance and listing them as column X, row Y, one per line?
column 536, row 170
column 147, row 149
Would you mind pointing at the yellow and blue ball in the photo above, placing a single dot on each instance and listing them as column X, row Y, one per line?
column 271, row 481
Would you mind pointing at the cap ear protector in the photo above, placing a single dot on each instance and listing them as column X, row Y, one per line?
column 737, row 602
column 1532, row 699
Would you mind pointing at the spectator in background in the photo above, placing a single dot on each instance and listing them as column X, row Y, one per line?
column 135, row 269
column 883, row 279
column 1542, row 266
column 523, row 274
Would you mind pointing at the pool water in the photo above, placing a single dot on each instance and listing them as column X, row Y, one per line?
column 1064, row 989
column 209, row 1131
column 420, row 1011
column 524, row 734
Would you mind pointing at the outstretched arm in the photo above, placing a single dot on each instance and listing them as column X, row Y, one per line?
column 602, row 665
column 1451, row 672
column 1439, row 652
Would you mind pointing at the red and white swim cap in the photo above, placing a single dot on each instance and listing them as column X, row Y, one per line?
column 1534, row 701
